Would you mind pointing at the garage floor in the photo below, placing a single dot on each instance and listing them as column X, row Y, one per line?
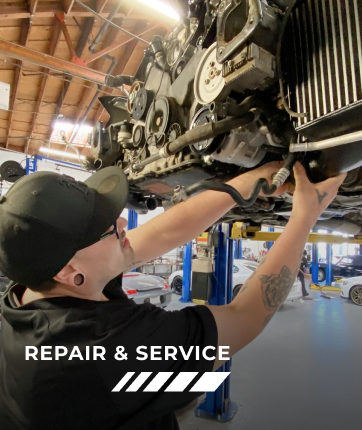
column 303, row 372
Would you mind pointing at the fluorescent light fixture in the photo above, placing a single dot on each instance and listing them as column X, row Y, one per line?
column 162, row 7
column 61, row 153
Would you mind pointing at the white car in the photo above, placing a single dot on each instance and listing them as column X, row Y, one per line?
column 142, row 288
column 242, row 270
column 352, row 289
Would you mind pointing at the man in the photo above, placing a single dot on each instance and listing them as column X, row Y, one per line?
column 302, row 271
column 64, row 245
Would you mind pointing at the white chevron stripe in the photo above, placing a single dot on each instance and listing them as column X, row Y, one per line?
column 139, row 381
column 182, row 380
column 209, row 381
column 123, row 382
column 158, row 381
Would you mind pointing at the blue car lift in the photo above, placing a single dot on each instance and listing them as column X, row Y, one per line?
column 132, row 219
column 217, row 405
column 186, row 275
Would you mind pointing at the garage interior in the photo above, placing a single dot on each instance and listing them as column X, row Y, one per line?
column 303, row 371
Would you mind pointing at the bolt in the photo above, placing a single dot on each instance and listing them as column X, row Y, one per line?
column 221, row 50
column 179, row 70
column 212, row 64
column 251, row 19
column 221, row 7
column 230, row 63
column 207, row 81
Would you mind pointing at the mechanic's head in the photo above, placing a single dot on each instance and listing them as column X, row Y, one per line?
column 55, row 230
column 305, row 252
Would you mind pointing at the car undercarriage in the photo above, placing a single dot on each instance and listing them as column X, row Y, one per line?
column 239, row 83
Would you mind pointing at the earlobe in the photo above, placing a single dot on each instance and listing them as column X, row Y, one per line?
column 67, row 276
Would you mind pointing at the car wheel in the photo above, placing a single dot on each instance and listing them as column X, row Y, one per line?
column 177, row 285
column 356, row 295
column 236, row 291
column 321, row 275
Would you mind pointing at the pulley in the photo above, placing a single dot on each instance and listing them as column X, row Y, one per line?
column 208, row 146
column 142, row 103
column 162, row 113
column 209, row 84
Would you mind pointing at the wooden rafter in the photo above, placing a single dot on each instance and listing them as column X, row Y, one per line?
column 118, row 71
column 48, row 10
column 44, row 80
column 68, row 4
column 100, row 5
column 32, row 6
column 90, row 92
column 24, row 36
column 82, row 41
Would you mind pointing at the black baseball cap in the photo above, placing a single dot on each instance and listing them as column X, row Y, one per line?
column 45, row 218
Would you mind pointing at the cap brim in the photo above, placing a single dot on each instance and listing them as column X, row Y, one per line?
column 112, row 186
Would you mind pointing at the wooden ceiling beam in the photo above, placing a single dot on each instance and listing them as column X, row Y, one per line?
column 32, row 6
column 118, row 71
column 67, row 5
column 48, row 10
column 24, row 36
column 100, row 5
column 44, row 80
column 82, row 42
column 94, row 56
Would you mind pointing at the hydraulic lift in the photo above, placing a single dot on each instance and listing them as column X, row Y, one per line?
column 226, row 244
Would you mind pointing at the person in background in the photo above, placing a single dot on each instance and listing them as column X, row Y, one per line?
column 302, row 271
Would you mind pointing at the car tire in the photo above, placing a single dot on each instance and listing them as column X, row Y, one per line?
column 236, row 290
column 321, row 275
column 176, row 285
column 356, row 295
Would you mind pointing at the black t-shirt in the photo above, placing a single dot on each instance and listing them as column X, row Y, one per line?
column 77, row 395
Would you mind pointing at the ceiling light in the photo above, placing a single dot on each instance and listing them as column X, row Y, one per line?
column 61, row 153
column 162, row 7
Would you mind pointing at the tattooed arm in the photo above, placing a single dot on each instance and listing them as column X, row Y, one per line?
column 245, row 318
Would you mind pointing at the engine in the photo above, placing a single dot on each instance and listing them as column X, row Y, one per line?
column 232, row 87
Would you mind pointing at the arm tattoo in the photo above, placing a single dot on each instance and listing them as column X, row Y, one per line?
column 321, row 196
column 267, row 320
column 275, row 288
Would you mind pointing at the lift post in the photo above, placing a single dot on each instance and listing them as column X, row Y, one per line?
column 314, row 265
column 132, row 219
column 329, row 274
column 217, row 405
column 186, row 275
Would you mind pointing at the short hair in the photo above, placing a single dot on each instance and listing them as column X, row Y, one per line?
column 44, row 287
column 305, row 252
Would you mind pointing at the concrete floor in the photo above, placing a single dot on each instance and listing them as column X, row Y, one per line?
column 303, row 372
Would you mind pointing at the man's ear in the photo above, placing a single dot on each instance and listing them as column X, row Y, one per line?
column 67, row 275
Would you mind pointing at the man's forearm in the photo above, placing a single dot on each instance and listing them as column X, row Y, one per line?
column 186, row 220
column 271, row 283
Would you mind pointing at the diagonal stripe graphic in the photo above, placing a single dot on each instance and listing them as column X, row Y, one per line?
column 210, row 381
column 139, row 381
column 182, row 380
column 158, row 381
column 123, row 382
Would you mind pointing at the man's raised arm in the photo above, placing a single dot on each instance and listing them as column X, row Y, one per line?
column 187, row 220
column 245, row 318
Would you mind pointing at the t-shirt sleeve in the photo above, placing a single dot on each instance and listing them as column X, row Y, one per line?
column 192, row 328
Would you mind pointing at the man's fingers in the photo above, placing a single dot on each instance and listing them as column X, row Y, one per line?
column 300, row 174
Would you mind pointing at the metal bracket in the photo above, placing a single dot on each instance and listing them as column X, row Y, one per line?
column 226, row 7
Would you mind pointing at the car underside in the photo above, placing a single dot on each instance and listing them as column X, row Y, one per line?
column 239, row 83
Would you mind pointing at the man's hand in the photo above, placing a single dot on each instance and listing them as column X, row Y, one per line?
column 266, row 171
column 310, row 200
